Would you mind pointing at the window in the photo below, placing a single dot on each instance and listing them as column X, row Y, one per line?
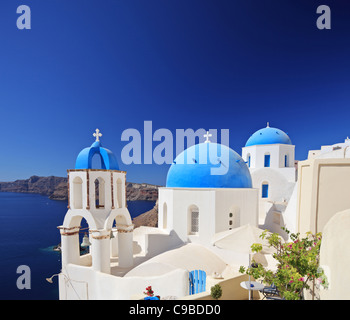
column 267, row 160
column 193, row 220
column 286, row 161
column 99, row 193
column 265, row 190
column 248, row 160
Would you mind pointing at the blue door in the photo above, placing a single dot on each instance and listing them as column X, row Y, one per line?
column 197, row 280
column 265, row 191
column 267, row 160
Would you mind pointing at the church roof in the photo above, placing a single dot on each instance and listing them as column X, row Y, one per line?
column 108, row 159
column 268, row 135
column 209, row 165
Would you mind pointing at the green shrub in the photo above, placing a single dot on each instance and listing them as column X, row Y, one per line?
column 216, row 292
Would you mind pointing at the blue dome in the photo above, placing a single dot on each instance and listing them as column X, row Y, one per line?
column 108, row 159
column 268, row 136
column 198, row 167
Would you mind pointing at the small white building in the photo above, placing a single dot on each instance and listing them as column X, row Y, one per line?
column 269, row 154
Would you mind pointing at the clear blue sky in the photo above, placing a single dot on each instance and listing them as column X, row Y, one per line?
column 223, row 64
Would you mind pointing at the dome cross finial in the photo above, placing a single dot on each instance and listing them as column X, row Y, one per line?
column 97, row 134
column 207, row 135
column 268, row 125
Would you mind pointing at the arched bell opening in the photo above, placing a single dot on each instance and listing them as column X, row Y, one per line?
column 100, row 195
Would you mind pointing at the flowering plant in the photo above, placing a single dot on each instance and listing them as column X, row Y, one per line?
column 149, row 292
column 297, row 264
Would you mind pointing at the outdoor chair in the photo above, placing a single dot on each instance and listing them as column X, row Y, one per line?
column 270, row 292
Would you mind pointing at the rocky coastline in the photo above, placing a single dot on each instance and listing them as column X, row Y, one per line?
column 56, row 188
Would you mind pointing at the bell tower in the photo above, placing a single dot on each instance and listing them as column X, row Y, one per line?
column 99, row 196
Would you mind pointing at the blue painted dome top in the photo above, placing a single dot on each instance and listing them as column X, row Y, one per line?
column 268, row 135
column 108, row 159
column 209, row 165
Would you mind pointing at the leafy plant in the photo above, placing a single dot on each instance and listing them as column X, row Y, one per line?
column 216, row 292
column 297, row 264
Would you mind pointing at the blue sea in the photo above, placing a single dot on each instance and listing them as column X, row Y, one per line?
column 28, row 233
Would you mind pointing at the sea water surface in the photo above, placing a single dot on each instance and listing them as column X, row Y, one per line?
column 28, row 233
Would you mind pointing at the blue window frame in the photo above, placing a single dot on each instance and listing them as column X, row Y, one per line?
column 249, row 161
column 267, row 160
column 286, row 161
column 265, row 191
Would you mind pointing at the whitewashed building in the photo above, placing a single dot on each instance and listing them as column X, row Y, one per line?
column 208, row 190
column 270, row 156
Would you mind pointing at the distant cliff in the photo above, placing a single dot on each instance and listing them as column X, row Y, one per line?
column 149, row 218
column 56, row 188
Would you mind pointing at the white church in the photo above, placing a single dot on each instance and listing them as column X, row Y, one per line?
column 259, row 189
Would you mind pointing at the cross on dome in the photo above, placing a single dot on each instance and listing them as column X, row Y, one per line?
column 268, row 125
column 207, row 135
column 97, row 135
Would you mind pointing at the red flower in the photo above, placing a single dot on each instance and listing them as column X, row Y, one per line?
column 149, row 291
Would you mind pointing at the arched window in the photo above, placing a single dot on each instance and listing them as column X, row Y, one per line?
column 84, row 238
column 265, row 190
column 99, row 193
column 234, row 217
column 78, row 193
column 267, row 160
column 119, row 193
column 193, row 220
column 165, row 215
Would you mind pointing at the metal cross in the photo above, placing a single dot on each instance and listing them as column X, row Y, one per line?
column 97, row 135
column 207, row 135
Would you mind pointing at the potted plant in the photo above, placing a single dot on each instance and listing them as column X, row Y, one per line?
column 150, row 294
column 216, row 292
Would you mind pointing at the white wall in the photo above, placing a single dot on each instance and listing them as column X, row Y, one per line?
column 276, row 151
column 335, row 257
column 84, row 283
column 244, row 200
column 214, row 208
column 280, row 188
